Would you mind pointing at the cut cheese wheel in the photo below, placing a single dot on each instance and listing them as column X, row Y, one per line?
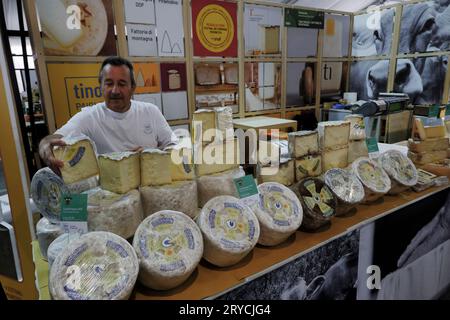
column 46, row 191
column 308, row 166
column 333, row 134
column 357, row 127
column 318, row 202
column 179, row 196
column 357, row 149
column 230, row 230
column 375, row 180
column 119, row 171
column 217, row 185
column 79, row 157
column 181, row 164
column 155, row 167
column 302, row 143
column 346, row 187
column 400, row 169
column 97, row 266
column 117, row 213
column 279, row 213
column 284, row 173
column 169, row 246
column 334, row 158
column 83, row 185
column 57, row 246
column 46, row 232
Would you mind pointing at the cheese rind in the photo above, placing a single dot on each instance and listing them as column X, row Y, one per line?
column 427, row 157
column 308, row 166
column 204, row 121
column 333, row 134
column 181, row 162
column 55, row 248
column 437, row 144
column 179, row 196
column 400, row 169
column 337, row 158
column 216, row 157
column 105, row 264
column 283, row 174
column 230, row 230
column 46, row 233
column 375, row 180
column 80, row 160
column 302, row 143
column 357, row 149
column 119, row 171
column 155, row 167
column 169, row 246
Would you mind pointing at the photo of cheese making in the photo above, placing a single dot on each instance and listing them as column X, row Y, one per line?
column 262, row 86
column 77, row 27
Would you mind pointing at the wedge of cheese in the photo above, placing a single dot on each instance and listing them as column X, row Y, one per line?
column 427, row 157
column 181, row 162
column 337, row 158
column 204, row 124
column 216, row 157
column 284, row 173
column 302, row 143
column 80, row 161
column 356, row 149
column 428, row 145
column 357, row 127
column 333, row 134
column 308, row 166
column 155, row 167
column 119, row 171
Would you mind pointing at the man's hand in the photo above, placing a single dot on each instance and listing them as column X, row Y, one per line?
column 46, row 152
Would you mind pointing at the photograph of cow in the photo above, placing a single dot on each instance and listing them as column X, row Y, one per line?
column 424, row 28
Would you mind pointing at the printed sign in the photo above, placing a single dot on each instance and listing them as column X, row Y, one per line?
column 173, row 77
column 142, row 11
column 74, row 213
column 141, row 40
column 147, row 77
column 215, row 28
column 170, row 34
column 246, row 186
column 372, row 146
column 302, row 18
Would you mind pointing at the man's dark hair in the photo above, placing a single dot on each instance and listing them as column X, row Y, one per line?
column 117, row 61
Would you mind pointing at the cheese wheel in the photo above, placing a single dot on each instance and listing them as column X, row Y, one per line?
column 83, row 185
column 119, row 171
column 179, row 196
column 318, row 202
column 346, row 187
column 97, row 266
column 375, row 180
column 55, row 248
column 230, row 230
column 284, row 173
column 46, row 191
column 279, row 212
column 117, row 213
column 46, row 232
column 401, row 170
column 357, row 126
column 169, row 246
column 217, row 185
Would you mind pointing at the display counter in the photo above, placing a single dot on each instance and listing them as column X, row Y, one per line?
column 209, row 282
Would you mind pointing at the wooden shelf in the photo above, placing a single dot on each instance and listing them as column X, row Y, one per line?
column 218, row 88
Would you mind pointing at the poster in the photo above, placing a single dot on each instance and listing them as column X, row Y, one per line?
column 331, row 78
column 175, row 105
column 169, row 19
column 214, row 28
column 300, row 85
column 369, row 78
column 141, row 40
column 70, row 28
column 301, row 42
column 302, row 18
column 262, row 86
column 173, row 77
column 147, row 77
column 72, row 87
column 262, row 30
column 153, row 98
column 336, row 35
column 139, row 11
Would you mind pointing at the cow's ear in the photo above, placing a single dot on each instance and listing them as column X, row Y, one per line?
column 428, row 25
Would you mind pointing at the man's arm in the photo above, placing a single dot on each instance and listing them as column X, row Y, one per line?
column 46, row 152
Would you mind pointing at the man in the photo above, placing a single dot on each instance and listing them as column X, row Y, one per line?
column 118, row 124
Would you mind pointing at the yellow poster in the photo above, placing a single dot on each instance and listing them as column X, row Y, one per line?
column 72, row 87
column 147, row 77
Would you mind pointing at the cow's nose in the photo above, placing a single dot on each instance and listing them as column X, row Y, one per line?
column 407, row 79
column 377, row 79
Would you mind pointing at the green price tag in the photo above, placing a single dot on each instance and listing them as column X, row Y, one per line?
column 372, row 145
column 74, row 213
column 246, row 186
column 433, row 112
column 447, row 110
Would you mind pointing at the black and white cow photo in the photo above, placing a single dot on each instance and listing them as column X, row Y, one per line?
column 424, row 27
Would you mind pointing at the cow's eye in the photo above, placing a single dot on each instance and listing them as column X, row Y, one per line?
column 428, row 26
column 377, row 36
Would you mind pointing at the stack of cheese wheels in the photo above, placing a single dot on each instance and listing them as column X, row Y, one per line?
column 117, row 213
column 346, row 187
column 177, row 196
column 46, row 191
column 319, row 203
column 230, row 230
column 59, row 244
column 169, row 246
column 375, row 180
column 401, row 170
column 97, row 266
column 46, row 233
column 279, row 212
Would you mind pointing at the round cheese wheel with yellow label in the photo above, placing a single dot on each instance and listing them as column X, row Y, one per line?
column 278, row 210
column 97, row 266
column 169, row 246
column 230, row 230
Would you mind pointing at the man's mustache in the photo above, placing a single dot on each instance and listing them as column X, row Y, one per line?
column 115, row 97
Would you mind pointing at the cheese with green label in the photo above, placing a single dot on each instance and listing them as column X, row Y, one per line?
column 155, row 167
column 97, row 266
column 230, row 230
column 119, row 171
column 169, row 246
column 303, row 143
column 357, row 149
column 333, row 134
column 284, row 173
column 308, row 166
column 80, row 161
column 279, row 213
column 216, row 157
column 178, row 196
column 46, row 232
column 337, row 158
column 117, row 213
